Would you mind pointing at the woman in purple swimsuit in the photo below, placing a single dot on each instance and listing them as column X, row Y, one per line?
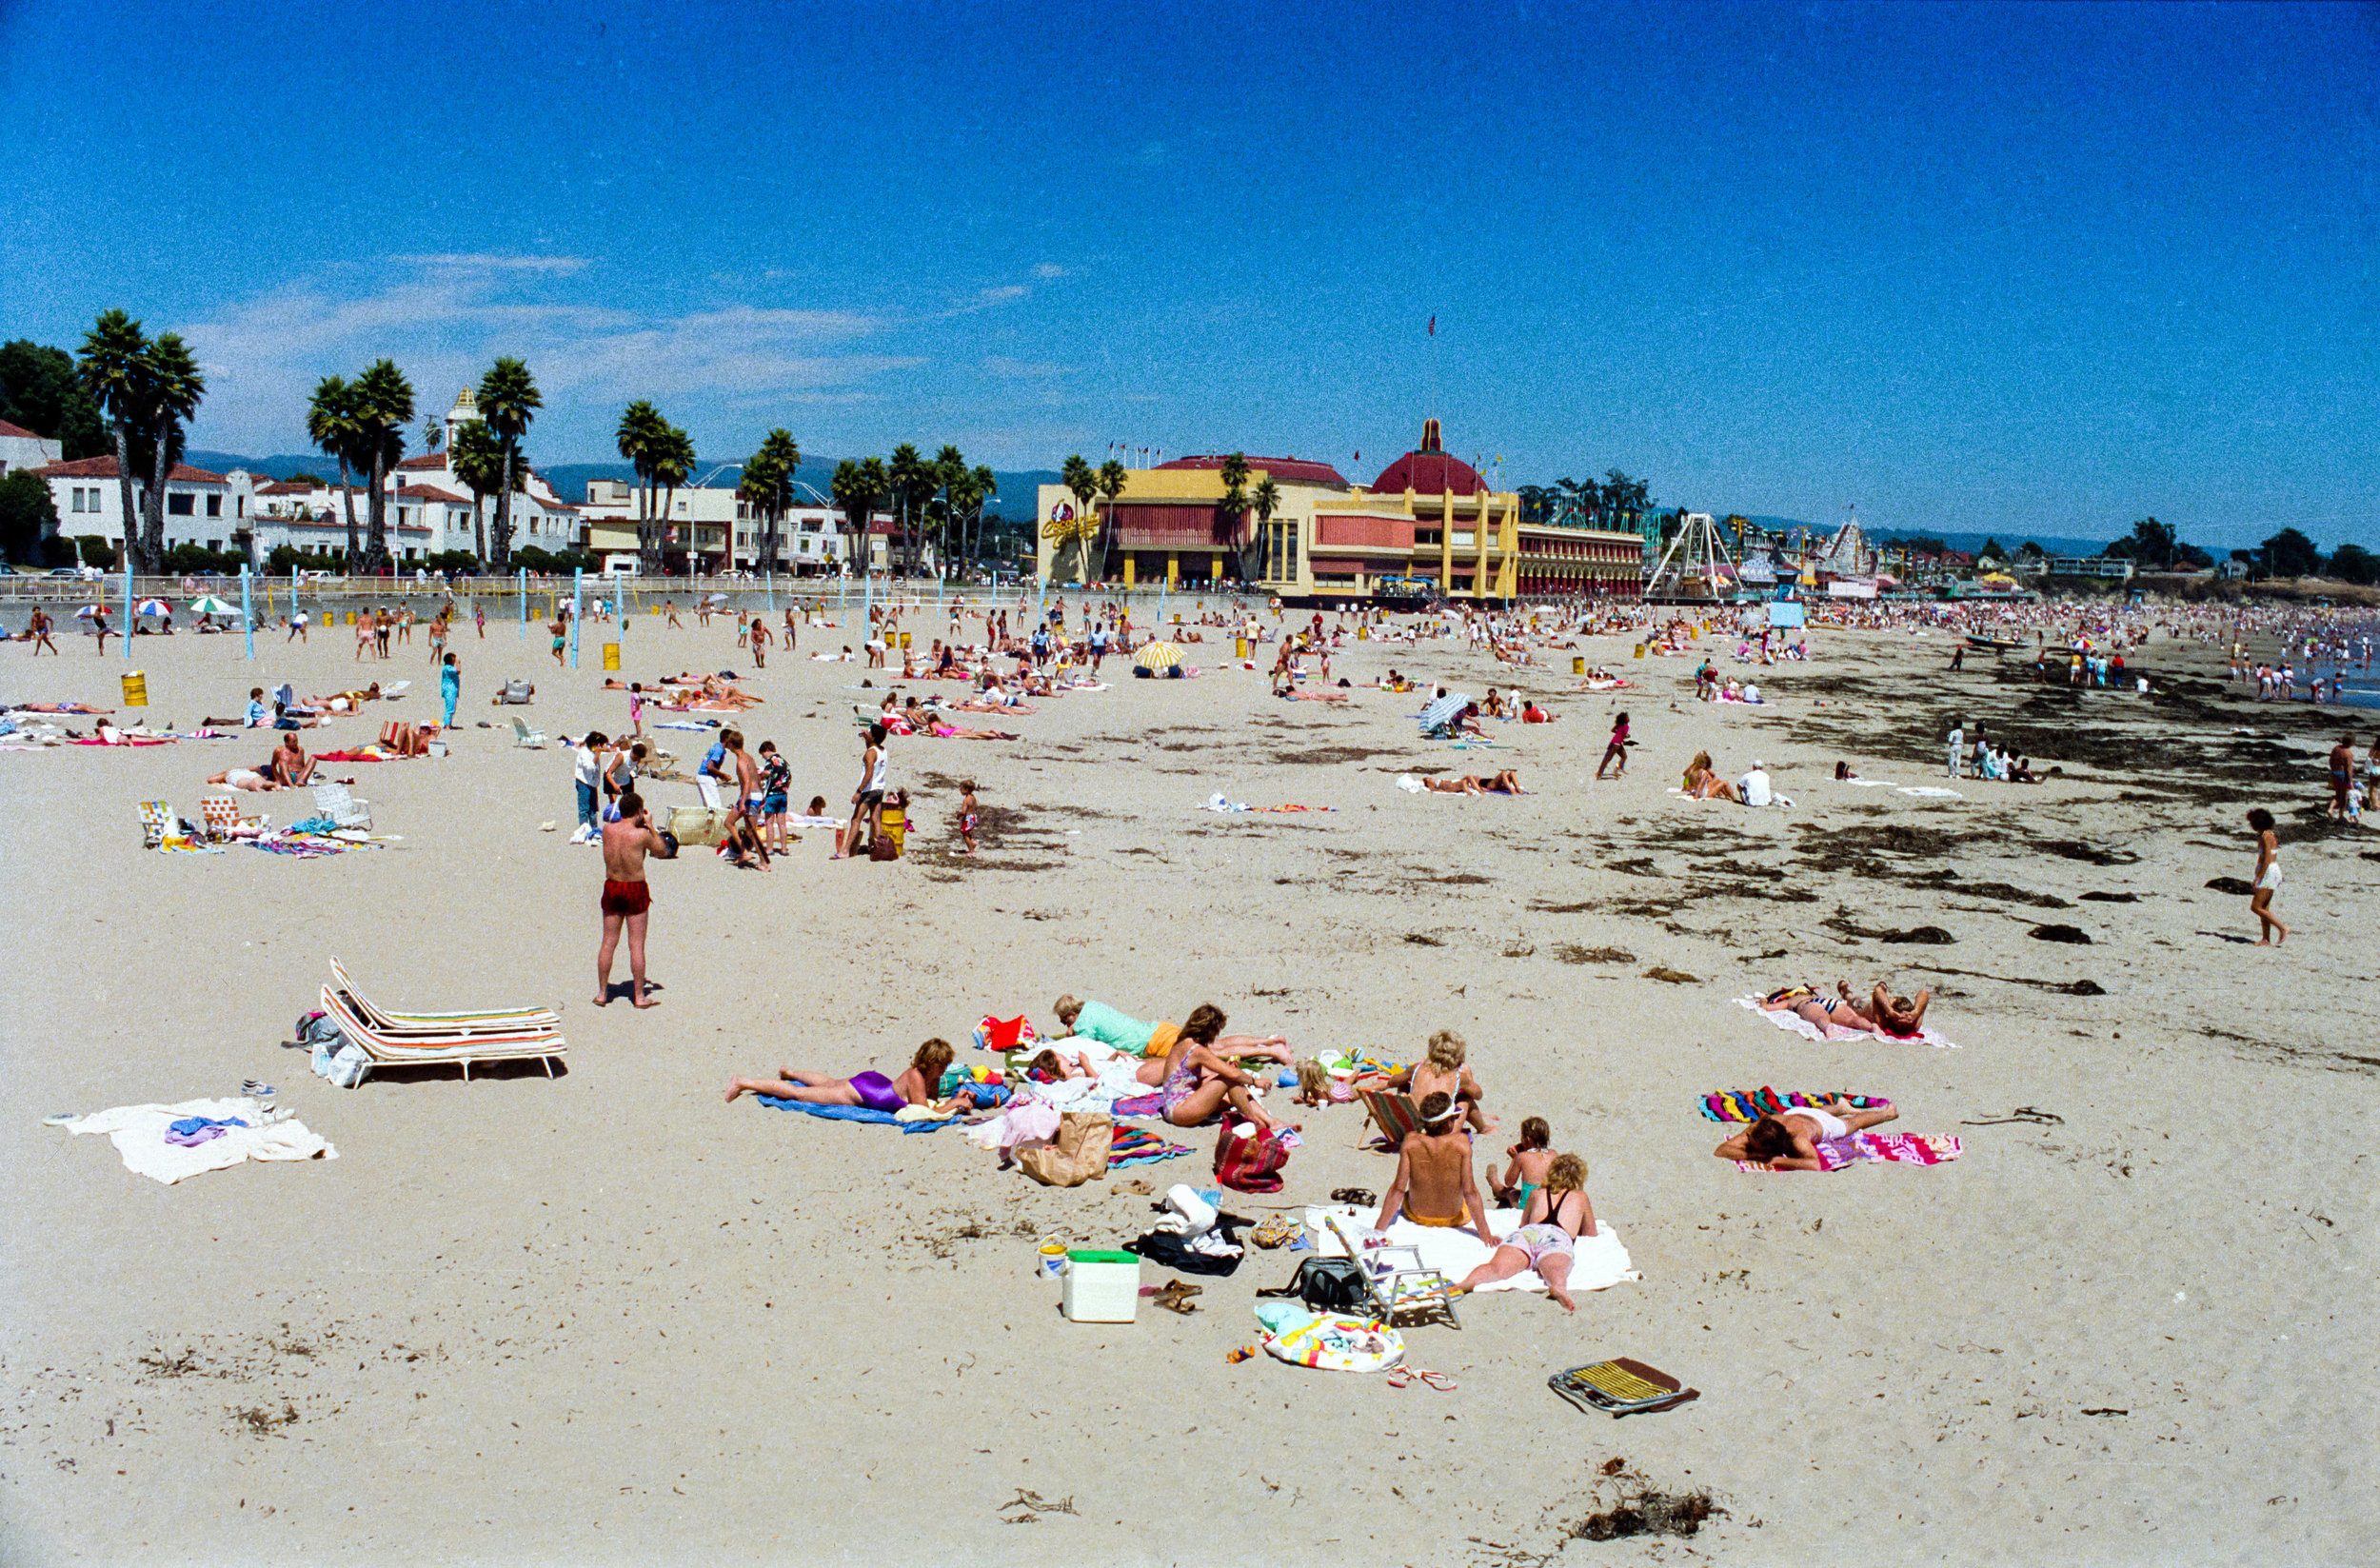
column 869, row 1090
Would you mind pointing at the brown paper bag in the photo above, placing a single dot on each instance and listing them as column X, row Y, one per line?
column 1079, row 1153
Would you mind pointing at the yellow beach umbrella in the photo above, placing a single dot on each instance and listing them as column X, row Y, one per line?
column 1158, row 656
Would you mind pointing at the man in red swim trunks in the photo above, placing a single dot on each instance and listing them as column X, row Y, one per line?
column 627, row 898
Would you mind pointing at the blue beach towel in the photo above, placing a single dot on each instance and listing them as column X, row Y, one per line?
column 848, row 1113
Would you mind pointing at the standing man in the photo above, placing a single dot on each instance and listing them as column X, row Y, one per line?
column 39, row 631
column 1098, row 647
column 1983, row 752
column 627, row 898
column 560, row 629
column 712, row 772
column 1958, row 746
column 2342, row 776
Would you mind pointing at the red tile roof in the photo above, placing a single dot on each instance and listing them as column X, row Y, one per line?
column 431, row 492
column 19, row 431
column 1293, row 470
column 105, row 467
column 426, row 460
column 282, row 487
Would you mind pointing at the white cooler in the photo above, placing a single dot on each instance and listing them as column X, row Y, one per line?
column 1102, row 1288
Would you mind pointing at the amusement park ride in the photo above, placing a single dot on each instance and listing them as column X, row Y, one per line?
column 1699, row 566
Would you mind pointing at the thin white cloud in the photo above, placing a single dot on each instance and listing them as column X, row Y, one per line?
column 481, row 261
column 1000, row 364
column 444, row 322
column 1006, row 292
column 1049, row 270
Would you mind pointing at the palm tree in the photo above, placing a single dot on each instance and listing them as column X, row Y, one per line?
column 1084, row 481
column 175, row 388
column 1266, row 500
column 508, row 401
column 673, row 465
column 477, row 459
column 982, row 484
column 912, row 481
column 950, row 477
column 333, row 425
column 857, row 489
column 384, row 402
column 1110, row 481
column 641, row 430
column 433, row 434
column 783, row 455
column 114, row 369
column 1234, row 506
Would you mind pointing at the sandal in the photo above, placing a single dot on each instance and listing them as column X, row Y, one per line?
column 1361, row 1198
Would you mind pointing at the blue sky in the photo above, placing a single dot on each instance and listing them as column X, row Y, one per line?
column 2031, row 269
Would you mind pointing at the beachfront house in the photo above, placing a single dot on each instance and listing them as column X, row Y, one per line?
column 1426, row 527
column 712, row 528
column 21, row 448
column 202, row 506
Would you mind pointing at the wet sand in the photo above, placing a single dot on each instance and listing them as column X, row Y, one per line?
column 609, row 1319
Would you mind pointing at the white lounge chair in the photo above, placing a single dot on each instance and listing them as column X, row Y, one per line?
column 524, row 736
column 387, row 1050
column 493, row 1021
column 343, row 809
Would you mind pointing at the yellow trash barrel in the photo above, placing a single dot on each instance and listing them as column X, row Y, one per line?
column 136, row 689
column 611, row 656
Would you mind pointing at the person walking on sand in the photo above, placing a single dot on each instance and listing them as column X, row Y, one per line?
column 99, row 629
column 38, row 632
column 449, row 686
column 479, row 619
column 626, row 902
column 560, row 629
column 2268, row 879
column 1958, row 746
column 759, row 643
column 1616, row 750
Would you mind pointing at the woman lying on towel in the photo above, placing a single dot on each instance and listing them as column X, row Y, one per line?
column 1557, row 1215
column 1198, row 1082
column 1789, row 1141
column 1894, row 1017
column 1506, row 783
column 870, row 1090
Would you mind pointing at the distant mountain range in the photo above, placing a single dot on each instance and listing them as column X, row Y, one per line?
column 1017, row 489
column 1971, row 543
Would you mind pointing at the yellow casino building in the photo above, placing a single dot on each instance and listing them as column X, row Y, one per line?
column 1428, row 526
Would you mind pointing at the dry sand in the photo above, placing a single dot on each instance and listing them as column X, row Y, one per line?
column 607, row 1319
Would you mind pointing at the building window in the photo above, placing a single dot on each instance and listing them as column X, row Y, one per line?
column 239, row 508
column 180, row 506
column 214, row 508
column 78, row 498
column 214, row 543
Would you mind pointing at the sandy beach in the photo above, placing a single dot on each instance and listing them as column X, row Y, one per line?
column 609, row 1319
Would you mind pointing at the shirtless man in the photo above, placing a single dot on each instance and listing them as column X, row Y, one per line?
column 38, row 633
column 1435, row 1185
column 627, row 898
column 2342, row 775
column 750, row 797
column 1789, row 1141
column 292, row 766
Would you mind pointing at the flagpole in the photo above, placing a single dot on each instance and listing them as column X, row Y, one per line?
column 247, row 611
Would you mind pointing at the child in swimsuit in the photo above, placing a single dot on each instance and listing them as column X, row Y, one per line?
column 1526, row 1174
column 967, row 817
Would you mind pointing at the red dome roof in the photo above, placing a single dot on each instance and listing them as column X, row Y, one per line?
column 1429, row 470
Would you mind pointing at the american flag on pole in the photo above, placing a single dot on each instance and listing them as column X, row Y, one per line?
column 1433, row 327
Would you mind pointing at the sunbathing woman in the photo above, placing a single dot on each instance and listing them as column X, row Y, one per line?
column 1812, row 1005
column 1894, row 1017
column 1704, row 785
column 1551, row 1224
column 870, row 1090
column 243, row 778
column 1788, row 1142
column 403, row 738
column 1199, row 1082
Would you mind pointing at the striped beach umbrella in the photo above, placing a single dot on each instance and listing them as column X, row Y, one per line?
column 1158, row 656
column 155, row 606
column 209, row 605
column 1443, row 710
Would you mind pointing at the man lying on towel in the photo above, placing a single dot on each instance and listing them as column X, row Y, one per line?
column 1154, row 1043
column 1435, row 1185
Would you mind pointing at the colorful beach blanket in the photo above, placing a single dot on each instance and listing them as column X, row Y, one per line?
column 1752, row 1104
column 1138, row 1104
column 1795, row 1024
column 1835, row 1154
column 848, row 1113
column 1138, row 1146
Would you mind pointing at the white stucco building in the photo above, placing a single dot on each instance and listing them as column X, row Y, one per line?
column 21, row 448
column 201, row 508
column 699, row 522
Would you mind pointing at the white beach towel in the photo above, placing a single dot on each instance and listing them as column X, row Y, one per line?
column 1795, row 1024
column 1602, row 1260
column 1930, row 792
column 139, row 1135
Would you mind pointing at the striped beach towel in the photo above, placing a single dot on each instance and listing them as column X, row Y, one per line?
column 1836, row 1154
column 1138, row 1146
column 1752, row 1104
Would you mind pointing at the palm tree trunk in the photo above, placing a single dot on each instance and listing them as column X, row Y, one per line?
column 347, row 494
column 479, row 530
column 376, row 543
column 504, row 511
column 153, row 529
column 132, row 550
